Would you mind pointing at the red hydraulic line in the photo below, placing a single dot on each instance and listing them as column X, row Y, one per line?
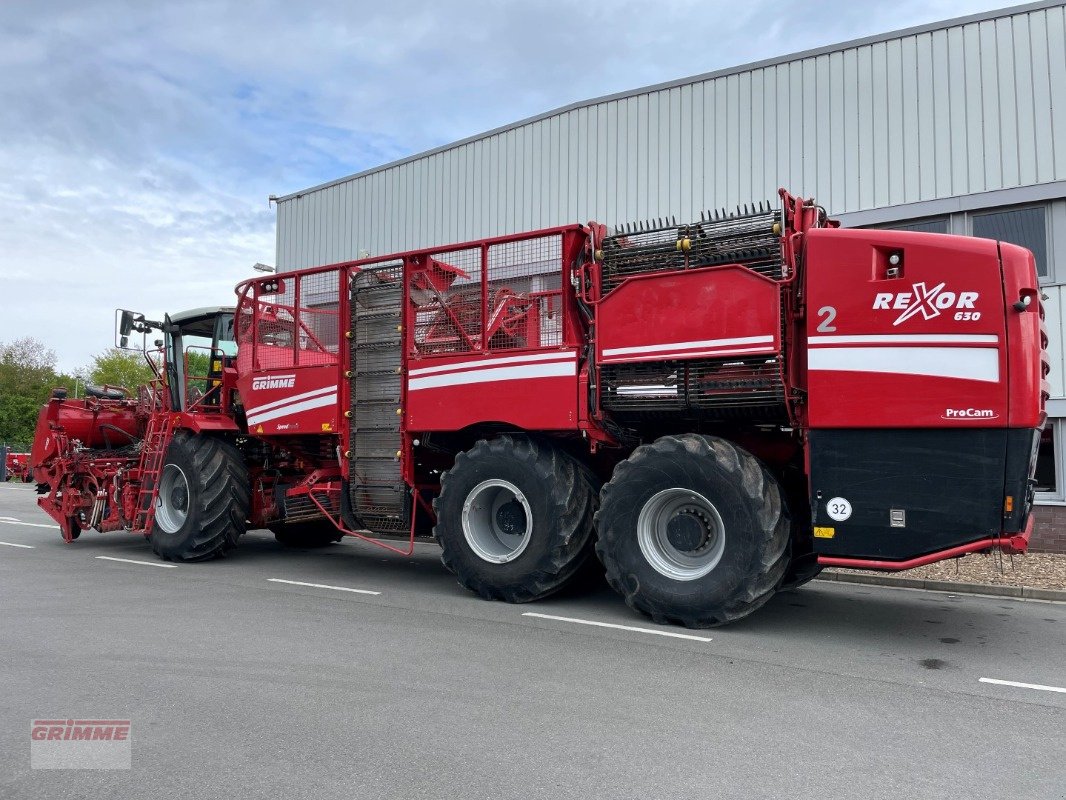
column 1015, row 544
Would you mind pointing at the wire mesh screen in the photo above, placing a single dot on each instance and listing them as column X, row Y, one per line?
column 745, row 237
column 525, row 293
column 275, row 328
column 716, row 387
column 376, row 489
column 446, row 290
column 318, row 335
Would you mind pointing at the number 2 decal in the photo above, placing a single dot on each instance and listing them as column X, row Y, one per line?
column 826, row 325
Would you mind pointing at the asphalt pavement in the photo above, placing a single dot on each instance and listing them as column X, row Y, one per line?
column 350, row 672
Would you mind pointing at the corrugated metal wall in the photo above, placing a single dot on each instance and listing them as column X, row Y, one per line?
column 939, row 113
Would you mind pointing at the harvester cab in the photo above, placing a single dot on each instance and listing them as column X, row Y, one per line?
column 197, row 345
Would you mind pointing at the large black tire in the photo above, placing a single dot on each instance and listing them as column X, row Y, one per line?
column 208, row 520
column 714, row 522
column 315, row 533
column 560, row 501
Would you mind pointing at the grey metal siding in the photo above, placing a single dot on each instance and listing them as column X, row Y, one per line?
column 969, row 108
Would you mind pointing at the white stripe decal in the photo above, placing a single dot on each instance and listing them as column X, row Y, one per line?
column 909, row 338
column 316, row 402
column 704, row 345
column 293, row 399
column 965, row 363
column 555, row 370
column 689, row 354
column 491, row 362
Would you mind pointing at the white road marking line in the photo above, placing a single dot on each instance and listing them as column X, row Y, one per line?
column 28, row 524
column 322, row 586
column 672, row 634
column 10, row 519
column 1021, row 685
column 12, row 544
column 134, row 561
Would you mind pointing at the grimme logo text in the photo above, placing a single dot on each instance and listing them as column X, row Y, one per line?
column 274, row 382
column 83, row 730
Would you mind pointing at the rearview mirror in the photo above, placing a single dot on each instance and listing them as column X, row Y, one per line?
column 124, row 326
column 126, row 323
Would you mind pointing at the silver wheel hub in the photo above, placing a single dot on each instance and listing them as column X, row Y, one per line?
column 172, row 502
column 681, row 534
column 497, row 522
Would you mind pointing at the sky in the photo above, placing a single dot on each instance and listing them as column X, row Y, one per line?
column 140, row 140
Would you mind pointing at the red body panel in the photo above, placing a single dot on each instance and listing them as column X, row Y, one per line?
column 713, row 312
column 1027, row 388
column 296, row 400
column 925, row 349
column 535, row 390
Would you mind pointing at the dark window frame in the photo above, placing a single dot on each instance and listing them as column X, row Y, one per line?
column 1044, row 255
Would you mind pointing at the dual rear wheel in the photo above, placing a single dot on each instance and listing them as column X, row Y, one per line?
column 514, row 518
column 690, row 529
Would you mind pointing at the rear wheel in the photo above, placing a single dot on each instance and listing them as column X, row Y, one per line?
column 514, row 518
column 693, row 530
column 315, row 533
column 202, row 505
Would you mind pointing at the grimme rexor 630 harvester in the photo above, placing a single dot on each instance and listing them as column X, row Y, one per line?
column 716, row 410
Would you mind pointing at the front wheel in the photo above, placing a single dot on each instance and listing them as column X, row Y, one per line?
column 694, row 530
column 203, row 499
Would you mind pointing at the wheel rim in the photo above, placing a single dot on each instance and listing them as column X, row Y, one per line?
column 681, row 534
column 172, row 503
column 497, row 522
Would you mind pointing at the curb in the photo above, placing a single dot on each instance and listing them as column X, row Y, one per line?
column 1018, row 592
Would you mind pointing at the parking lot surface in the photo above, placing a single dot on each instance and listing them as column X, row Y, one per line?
column 349, row 672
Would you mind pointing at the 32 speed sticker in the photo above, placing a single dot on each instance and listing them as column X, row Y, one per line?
column 838, row 508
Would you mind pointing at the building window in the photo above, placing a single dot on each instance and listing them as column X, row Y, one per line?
column 930, row 225
column 1048, row 484
column 1023, row 226
column 922, row 225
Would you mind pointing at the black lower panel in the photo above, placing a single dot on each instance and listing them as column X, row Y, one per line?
column 913, row 492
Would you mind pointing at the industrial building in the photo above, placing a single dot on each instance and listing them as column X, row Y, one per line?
column 956, row 126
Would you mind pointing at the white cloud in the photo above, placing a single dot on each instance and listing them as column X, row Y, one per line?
column 138, row 141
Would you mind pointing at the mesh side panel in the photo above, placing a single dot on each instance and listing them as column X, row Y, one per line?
column 746, row 237
column 376, row 444
column 648, row 385
column 303, row 509
column 715, row 387
column 377, row 492
column 524, row 293
column 275, row 328
column 754, row 382
column 319, row 329
column 447, row 291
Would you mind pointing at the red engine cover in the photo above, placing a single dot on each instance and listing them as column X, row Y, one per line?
column 905, row 330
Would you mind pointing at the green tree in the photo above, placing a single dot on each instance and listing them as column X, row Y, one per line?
column 27, row 377
column 116, row 367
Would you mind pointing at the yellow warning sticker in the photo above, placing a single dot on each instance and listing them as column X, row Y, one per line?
column 326, row 426
column 824, row 533
column 259, row 429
